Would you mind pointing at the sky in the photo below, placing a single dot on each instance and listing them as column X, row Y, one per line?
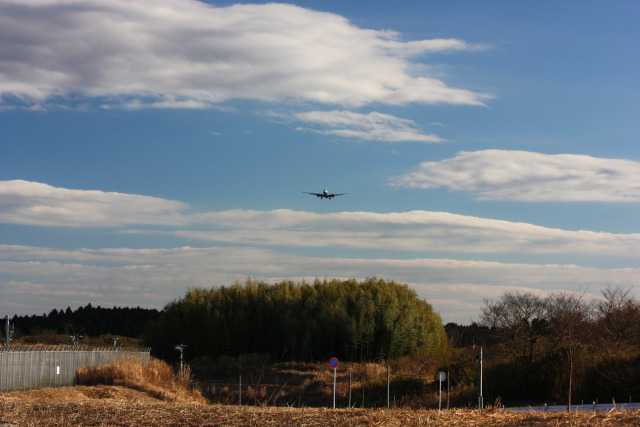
column 148, row 147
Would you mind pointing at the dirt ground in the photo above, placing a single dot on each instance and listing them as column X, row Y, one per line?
column 119, row 406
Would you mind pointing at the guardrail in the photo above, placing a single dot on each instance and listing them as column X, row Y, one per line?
column 33, row 367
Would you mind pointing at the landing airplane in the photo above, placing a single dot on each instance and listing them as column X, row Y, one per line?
column 325, row 194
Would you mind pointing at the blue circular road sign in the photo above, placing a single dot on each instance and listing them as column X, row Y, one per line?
column 333, row 362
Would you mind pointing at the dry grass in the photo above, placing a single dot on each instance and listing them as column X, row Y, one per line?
column 157, row 380
column 115, row 405
column 130, row 394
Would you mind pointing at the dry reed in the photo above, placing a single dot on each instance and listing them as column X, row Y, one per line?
column 157, row 379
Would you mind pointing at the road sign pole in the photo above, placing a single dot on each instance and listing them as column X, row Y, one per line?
column 441, row 377
column 334, row 388
column 334, row 364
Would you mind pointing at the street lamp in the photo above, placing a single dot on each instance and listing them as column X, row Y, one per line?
column 180, row 348
column 75, row 339
column 479, row 361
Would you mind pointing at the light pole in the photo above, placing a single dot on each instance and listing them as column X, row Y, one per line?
column 8, row 331
column 180, row 348
column 479, row 361
column 75, row 339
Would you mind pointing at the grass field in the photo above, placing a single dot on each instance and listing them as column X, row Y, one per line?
column 128, row 394
column 103, row 405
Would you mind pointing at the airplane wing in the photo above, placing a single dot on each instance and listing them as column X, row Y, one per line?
column 315, row 194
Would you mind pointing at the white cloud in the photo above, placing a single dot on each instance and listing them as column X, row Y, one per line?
column 33, row 203
column 34, row 277
column 406, row 231
column 372, row 126
column 528, row 176
column 187, row 54
column 30, row 203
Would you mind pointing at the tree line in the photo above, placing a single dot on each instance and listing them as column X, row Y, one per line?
column 546, row 348
column 555, row 348
column 88, row 321
column 351, row 320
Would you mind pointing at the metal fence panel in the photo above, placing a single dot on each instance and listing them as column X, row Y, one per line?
column 27, row 368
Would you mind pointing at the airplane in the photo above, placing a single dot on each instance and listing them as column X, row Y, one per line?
column 325, row 194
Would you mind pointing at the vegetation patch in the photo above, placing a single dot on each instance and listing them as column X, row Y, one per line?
column 157, row 380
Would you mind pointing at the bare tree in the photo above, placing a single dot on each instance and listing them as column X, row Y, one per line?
column 569, row 324
column 617, row 320
column 520, row 321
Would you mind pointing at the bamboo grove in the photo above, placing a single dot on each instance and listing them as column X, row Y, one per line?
column 351, row 320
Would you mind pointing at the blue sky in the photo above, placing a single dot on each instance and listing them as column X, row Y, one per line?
column 148, row 147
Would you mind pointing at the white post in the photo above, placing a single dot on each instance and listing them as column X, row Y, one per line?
column 334, row 388
column 441, row 377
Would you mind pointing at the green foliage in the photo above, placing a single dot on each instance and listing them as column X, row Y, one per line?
column 347, row 319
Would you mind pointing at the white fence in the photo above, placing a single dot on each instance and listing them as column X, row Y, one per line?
column 28, row 368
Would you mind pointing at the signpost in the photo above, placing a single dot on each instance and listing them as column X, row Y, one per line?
column 441, row 377
column 334, row 364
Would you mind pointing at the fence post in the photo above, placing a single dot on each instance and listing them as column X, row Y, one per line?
column 363, row 385
column 349, row 390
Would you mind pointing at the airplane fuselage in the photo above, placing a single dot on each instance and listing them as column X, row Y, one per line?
column 325, row 194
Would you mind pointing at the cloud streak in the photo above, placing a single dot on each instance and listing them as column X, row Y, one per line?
column 530, row 177
column 34, row 203
column 372, row 126
column 44, row 278
column 29, row 203
column 187, row 54
column 264, row 245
